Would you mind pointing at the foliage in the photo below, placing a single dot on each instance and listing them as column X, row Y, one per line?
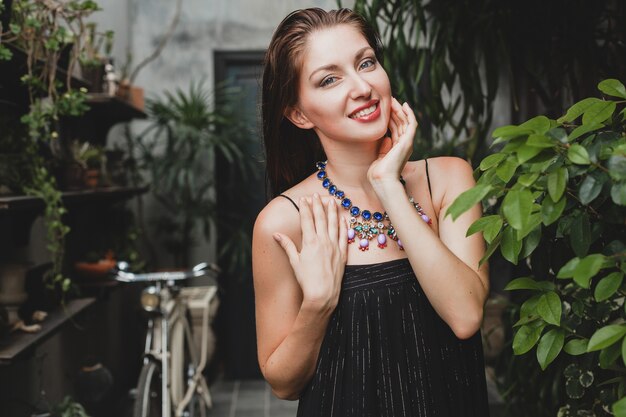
column 69, row 408
column 42, row 30
column 447, row 59
column 556, row 199
column 177, row 149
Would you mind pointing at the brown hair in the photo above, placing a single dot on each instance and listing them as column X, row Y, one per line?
column 291, row 152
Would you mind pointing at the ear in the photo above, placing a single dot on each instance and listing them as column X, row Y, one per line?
column 298, row 118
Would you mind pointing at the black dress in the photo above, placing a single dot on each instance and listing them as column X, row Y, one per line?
column 387, row 353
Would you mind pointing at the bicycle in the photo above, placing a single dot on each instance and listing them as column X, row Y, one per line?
column 171, row 376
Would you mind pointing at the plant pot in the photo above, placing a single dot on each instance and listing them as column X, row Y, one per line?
column 94, row 75
column 12, row 291
column 92, row 178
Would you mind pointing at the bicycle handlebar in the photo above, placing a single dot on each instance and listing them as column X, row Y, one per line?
column 200, row 270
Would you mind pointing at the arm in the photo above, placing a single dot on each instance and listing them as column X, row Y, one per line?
column 446, row 265
column 295, row 292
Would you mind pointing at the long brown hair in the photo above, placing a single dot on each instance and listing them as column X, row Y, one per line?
column 291, row 152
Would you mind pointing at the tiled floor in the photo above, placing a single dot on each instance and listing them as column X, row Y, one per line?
column 253, row 398
column 248, row 398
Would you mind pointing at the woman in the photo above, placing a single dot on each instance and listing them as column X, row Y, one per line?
column 377, row 327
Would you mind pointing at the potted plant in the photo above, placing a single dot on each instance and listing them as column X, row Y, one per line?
column 184, row 135
column 555, row 195
column 37, row 34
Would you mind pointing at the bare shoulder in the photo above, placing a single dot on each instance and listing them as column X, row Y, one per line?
column 453, row 175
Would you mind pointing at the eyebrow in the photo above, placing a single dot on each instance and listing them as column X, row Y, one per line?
column 333, row 67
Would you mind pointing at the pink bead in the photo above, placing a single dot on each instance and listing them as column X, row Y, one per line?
column 351, row 233
column 382, row 241
column 425, row 218
column 364, row 244
column 400, row 244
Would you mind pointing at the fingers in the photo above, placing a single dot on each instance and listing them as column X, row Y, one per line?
column 333, row 221
column 399, row 115
column 321, row 224
column 288, row 246
column 306, row 220
column 343, row 237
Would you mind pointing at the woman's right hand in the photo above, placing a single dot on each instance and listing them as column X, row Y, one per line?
column 320, row 264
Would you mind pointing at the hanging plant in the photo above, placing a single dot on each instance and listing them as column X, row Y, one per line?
column 41, row 31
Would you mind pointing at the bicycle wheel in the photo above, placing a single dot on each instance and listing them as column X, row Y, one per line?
column 148, row 401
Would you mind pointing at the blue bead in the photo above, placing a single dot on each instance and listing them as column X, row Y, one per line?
column 366, row 214
column 332, row 189
column 326, row 183
column 320, row 165
column 355, row 211
column 321, row 175
column 339, row 194
column 346, row 203
column 378, row 216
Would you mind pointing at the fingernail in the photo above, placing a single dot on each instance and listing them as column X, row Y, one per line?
column 276, row 237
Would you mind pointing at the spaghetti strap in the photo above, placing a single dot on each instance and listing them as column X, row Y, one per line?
column 428, row 179
column 292, row 202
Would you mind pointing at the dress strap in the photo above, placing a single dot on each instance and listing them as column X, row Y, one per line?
column 428, row 179
column 292, row 202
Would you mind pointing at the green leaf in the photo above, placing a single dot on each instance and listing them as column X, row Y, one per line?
column 618, row 193
column 510, row 246
column 612, row 87
column 532, row 240
column 576, row 347
column 619, row 408
column 624, row 351
column 551, row 211
column 549, row 347
column 617, row 167
column 584, row 129
column 589, row 189
column 526, row 337
column 580, row 234
column 609, row 355
column 556, row 183
column 530, row 224
column 523, row 283
column 506, row 170
column 549, row 308
column 467, row 200
column 510, row 131
column 606, row 336
column 539, row 141
column 491, row 161
column 608, row 285
column 539, row 124
column 524, row 153
column 588, row 267
column 489, row 225
column 528, row 179
column 567, row 270
column 517, row 206
column 598, row 112
column 577, row 109
column 578, row 155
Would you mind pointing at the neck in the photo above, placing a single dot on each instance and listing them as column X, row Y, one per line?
column 348, row 166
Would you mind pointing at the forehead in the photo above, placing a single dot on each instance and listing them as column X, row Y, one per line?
column 333, row 45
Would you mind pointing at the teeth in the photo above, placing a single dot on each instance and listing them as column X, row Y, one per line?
column 364, row 112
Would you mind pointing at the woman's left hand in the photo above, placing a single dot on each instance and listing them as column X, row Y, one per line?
column 394, row 151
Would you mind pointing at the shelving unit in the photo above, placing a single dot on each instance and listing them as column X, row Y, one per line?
column 19, row 343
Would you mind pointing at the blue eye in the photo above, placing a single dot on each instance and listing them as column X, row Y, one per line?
column 327, row 81
column 367, row 63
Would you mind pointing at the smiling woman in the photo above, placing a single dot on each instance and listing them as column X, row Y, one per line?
column 349, row 331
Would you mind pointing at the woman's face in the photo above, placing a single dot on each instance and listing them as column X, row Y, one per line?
column 344, row 92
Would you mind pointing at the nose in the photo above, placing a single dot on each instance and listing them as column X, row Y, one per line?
column 360, row 87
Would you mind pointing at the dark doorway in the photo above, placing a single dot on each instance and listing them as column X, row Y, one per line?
column 239, row 200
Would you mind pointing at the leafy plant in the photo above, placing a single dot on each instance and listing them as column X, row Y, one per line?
column 177, row 150
column 69, row 408
column 41, row 30
column 447, row 59
column 555, row 196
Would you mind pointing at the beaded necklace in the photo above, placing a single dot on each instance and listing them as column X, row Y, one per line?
column 369, row 225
